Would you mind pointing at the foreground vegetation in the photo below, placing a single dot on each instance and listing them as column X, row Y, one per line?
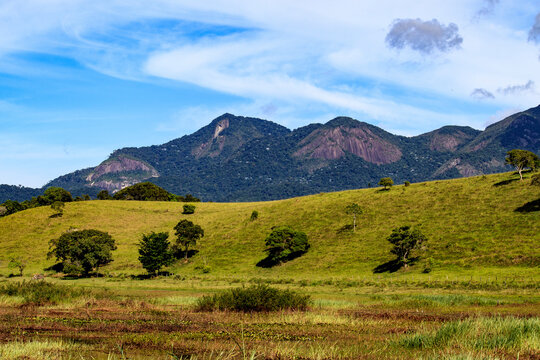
column 471, row 293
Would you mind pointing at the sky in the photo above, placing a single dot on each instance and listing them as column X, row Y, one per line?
column 81, row 78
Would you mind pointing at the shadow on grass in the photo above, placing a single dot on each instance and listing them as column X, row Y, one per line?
column 529, row 207
column 346, row 229
column 393, row 265
column 181, row 254
column 55, row 215
column 267, row 262
column 505, row 182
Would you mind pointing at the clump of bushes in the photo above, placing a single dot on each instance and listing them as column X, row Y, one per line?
column 189, row 209
column 254, row 215
column 256, row 298
column 40, row 292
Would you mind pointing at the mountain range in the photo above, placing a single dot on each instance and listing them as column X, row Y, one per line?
column 237, row 158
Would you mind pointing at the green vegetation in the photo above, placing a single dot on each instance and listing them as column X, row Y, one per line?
column 404, row 240
column 386, row 182
column 284, row 244
column 254, row 215
column 354, row 209
column 104, row 195
column 145, row 191
column 40, row 292
column 17, row 263
column 187, row 234
column 154, row 252
column 522, row 159
column 254, row 299
column 82, row 251
column 188, row 209
column 58, row 207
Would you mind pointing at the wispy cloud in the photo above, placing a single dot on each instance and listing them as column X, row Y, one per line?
column 534, row 32
column 487, row 8
column 513, row 89
column 482, row 94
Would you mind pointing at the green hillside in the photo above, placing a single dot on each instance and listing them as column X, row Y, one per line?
column 473, row 227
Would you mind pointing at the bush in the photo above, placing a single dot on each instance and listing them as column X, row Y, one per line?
column 189, row 209
column 406, row 183
column 535, row 180
column 255, row 298
column 104, row 195
column 254, row 215
column 40, row 292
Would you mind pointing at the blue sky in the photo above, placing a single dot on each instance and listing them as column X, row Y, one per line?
column 79, row 79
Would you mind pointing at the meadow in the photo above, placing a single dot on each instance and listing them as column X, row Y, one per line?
column 473, row 293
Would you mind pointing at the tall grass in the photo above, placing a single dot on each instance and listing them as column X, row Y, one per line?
column 507, row 333
column 40, row 292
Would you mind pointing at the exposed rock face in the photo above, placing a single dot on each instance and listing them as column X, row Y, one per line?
column 215, row 145
column 120, row 164
column 125, row 171
column 334, row 143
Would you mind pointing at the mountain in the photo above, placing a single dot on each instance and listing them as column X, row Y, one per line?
column 237, row 158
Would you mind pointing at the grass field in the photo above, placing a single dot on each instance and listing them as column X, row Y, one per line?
column 481, row 299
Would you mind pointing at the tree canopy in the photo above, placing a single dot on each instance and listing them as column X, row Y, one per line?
column 154, row 252
column 405, row 240
column 386, row 182
column 82, row 251
column 285, row 243
column 145, row 191
column 187, row 234
column 522, row 159
column 55, row 193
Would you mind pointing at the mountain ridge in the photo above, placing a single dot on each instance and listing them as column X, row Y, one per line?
column 236, row 158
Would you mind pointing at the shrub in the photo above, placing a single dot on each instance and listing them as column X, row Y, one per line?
column 104, row 195
column 40, row 292
column 254, row 215
column 535, row 180
column 406, row 183
column 189, row 209
column 255, row 298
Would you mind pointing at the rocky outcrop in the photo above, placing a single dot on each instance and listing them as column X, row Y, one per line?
column 214, row 146
column 334, row 143
column 120, row 172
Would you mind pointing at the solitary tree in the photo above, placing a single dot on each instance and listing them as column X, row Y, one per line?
column 405, row 239
column 354, row 209
column 17, row 263
column 58, row 206
column 154, row 252
column 285, row 243
column 522, row 159
column 187, row 234
column 386, row 182
column 82, row 251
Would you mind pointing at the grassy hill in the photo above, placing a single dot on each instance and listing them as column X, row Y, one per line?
column 473, row 226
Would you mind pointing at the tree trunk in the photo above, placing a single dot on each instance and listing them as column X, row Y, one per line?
column 354, row 222
column 187, row 249
column 520, row 176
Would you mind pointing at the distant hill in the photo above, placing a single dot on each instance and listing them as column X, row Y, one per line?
column 478, row 226
column 238, row 158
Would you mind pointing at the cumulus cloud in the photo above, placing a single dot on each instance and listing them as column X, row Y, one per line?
column 423, row 36
column 482, row 94
column 513, row 89
column 534, row 33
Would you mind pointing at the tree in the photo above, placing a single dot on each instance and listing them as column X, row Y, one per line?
column 58, row 206
column 285, row 243
column 522, row 159
column 354, row 209
column 405, row 240
column 82, row 251
column 54, row 193
column 145, row 191
column 386, row 182
column 189, row 209
column 12, row 207
column 17, row 263
column 104, row 195
column 187, row 234
column 154, row 252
